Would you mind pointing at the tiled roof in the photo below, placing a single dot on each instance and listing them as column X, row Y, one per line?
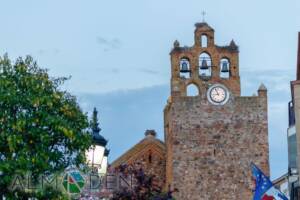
column 149, row 142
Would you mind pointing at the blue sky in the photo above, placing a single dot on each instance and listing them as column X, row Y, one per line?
column 117, row 53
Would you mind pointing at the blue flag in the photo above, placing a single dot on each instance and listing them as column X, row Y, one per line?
column 264, row 189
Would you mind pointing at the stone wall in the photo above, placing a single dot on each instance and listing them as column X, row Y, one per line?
column 210, row 148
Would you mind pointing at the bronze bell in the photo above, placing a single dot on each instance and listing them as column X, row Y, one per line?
column 204, row 64
column 224, row 68
column 184, row 67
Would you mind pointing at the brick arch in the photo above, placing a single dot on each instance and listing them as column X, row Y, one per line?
column 185, row 64
column 192, row 89
column 205, row 55
column 202, row 40
column 185, row 56
column 205, row 52
column 176, row 61
column 225, row 57
column 221, row 60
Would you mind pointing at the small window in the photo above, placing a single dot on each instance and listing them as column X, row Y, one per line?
column 224, row 68
column 204, row 41
column 192, row 90
column 150, row 158
column 205, row 64
column 185, row 70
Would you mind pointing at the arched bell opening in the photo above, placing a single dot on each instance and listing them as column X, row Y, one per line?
column 203, row 41
column 192, row 90
column 185, row 68
column 225, row 68
column 205, row 64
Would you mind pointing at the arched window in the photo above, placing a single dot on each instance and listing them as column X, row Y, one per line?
column 224, row 68
column 192, row 90
column 185, row 70
column 205, row 64
column 204, row 41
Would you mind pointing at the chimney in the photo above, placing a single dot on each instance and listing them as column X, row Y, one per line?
column 150, row 133
column 298, row 58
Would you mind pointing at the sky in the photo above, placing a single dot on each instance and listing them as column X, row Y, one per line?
column 117, row 53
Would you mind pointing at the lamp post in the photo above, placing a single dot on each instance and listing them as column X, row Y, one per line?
column 97, row 154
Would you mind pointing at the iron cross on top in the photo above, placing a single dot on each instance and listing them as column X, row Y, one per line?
column 203, row 13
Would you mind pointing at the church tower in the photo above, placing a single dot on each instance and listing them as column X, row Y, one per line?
column 212, row 133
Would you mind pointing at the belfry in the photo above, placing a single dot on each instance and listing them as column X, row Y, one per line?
column 214, row 134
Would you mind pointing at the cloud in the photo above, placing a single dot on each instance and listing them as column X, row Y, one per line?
column 121, row 116
column 277, row 81
column 149, row 71
column 109, row 44
column 115, row 70
column 111, row 70
column 54, row 51
column 41, row 52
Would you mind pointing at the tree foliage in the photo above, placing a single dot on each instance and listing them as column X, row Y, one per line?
column 144, row 187
column 42, row 128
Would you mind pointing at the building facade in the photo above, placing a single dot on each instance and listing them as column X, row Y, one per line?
column 293, row 134
column 282, row 184
column 150, row 154
column 292, row 154
column 211, row 138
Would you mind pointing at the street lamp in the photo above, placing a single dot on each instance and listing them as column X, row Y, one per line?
column 97, row 154
column 103, row 168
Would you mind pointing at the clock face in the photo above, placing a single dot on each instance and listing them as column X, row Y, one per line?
column 218, row 95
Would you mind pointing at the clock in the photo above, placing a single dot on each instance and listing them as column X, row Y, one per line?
column 218, row 94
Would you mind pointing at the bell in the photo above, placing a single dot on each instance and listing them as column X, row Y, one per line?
column 204, row 65
column 224, row 68
column 184, row 67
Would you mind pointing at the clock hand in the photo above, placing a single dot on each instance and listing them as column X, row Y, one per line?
column 217, row 91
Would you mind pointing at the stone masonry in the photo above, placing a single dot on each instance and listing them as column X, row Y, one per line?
column 209, row 148
column 148, row 154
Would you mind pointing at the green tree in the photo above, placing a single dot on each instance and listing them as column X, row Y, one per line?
column 144, row 186
column 42, row 128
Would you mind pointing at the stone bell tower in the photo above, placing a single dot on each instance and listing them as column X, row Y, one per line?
column 214, row 134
